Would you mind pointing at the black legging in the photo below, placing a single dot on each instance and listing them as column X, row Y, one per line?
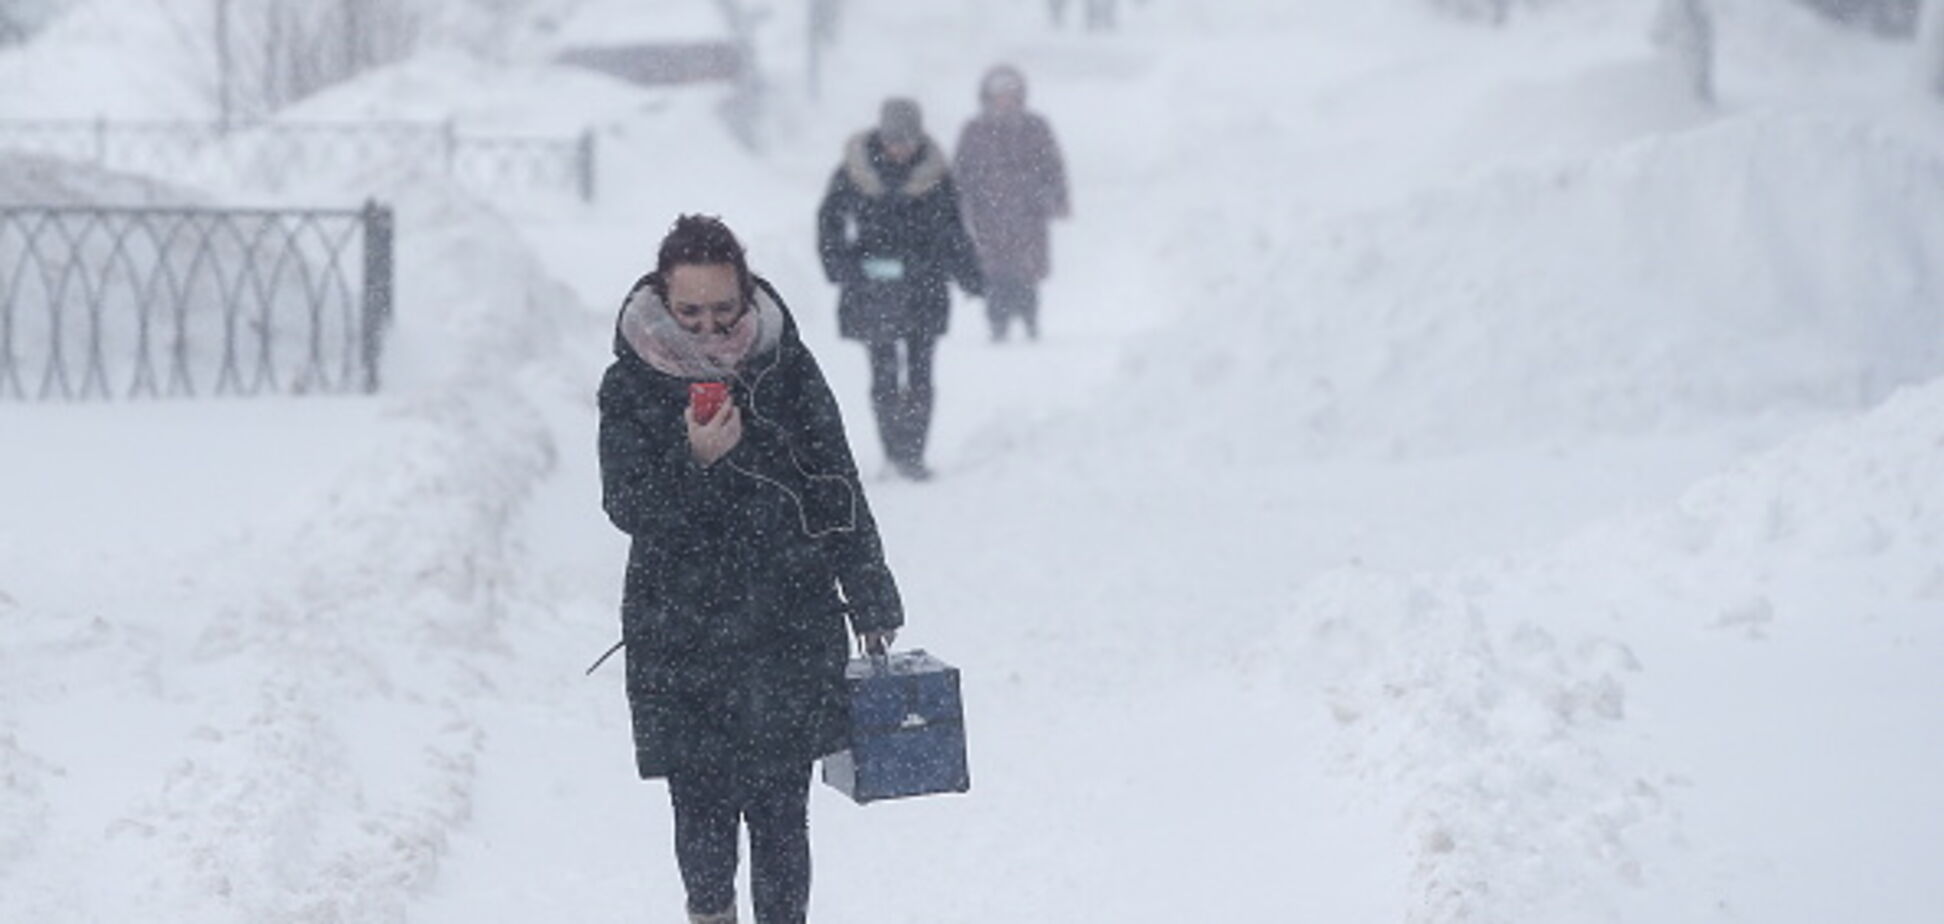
column 775, row 804
column 901, row 395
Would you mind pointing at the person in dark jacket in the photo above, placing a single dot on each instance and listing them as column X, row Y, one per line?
column 890, row 233
column 1014, row 180
column 751, row 545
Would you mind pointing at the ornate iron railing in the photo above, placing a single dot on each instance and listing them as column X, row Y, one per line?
column 175, row 302
column 274, row 154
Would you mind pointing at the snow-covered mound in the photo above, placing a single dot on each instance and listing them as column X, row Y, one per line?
column 633, row 21
column 34, row 179
column 278, row 719
column 1775, row 630
column 122, row 59
column 1759, row 265
column 536, row 101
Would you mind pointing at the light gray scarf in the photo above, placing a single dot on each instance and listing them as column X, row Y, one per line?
column 663, row 344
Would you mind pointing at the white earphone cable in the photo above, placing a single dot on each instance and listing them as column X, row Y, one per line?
column 789, row 447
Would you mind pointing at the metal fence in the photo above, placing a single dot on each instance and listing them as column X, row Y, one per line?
column 276, row 155
column 99, row 303
column 1885, row 17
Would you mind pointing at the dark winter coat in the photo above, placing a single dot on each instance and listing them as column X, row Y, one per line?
column 1010, row 172
column 909, row 213
column 731, row 615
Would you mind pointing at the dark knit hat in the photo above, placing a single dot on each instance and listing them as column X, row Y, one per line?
column 901, row 122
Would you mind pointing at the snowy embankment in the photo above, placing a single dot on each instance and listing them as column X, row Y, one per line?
column 272, row 720
column 1630, row 726
column 1762, row 266
column 1726, row 706
column 251, row 644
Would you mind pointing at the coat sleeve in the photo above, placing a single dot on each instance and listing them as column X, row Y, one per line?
column 961, row 257
column 967, row 158
column 650, row 484
column 857, row 555
column 1051, row 168
column 968, row 170
column 836, row 253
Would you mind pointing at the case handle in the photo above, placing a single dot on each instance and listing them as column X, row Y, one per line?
column 877, row 652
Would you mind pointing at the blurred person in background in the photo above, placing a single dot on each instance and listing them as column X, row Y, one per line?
column 890, row 234
column 751, row 545
column 1099, row 14
column 1014, row 181
column 1685, row 30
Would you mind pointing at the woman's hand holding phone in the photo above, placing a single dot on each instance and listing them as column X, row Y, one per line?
column 705, row 398
column 714, row 422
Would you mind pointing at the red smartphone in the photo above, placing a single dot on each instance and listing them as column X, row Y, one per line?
column 706, row 398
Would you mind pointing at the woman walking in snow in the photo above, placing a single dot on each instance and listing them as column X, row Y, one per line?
column 751, row 546
column 1014, row 181
column 890, row 233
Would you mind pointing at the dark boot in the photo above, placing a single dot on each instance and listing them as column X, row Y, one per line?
column 915, row 409
column 1007, row 299
column 913, row 470
column 887, row 397
column 893, row 433
column 917, row 414
column 907, row 450
column 1029, row 308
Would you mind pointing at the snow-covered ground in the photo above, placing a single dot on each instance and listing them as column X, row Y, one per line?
column 1461, row 480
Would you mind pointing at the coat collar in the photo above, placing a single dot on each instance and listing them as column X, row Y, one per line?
column 930, row 170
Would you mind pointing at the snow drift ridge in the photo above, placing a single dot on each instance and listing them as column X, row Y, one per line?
column 1762, row 263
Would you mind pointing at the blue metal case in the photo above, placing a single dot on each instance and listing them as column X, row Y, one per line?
column 907, row 730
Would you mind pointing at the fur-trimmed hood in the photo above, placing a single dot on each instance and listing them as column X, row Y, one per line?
column 931, row 168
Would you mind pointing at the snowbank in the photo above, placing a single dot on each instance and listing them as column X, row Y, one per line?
column 275, row 723
column 1761, row 265
column 478, row 97
column 122, row 59
column 1590, row 733
column 632, row 21
column 31, row 179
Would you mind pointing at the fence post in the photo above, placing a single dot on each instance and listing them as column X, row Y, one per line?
column 586, row 159
column 225, row 95
column 451, row 132
column 101, row 141
column 377, row 287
